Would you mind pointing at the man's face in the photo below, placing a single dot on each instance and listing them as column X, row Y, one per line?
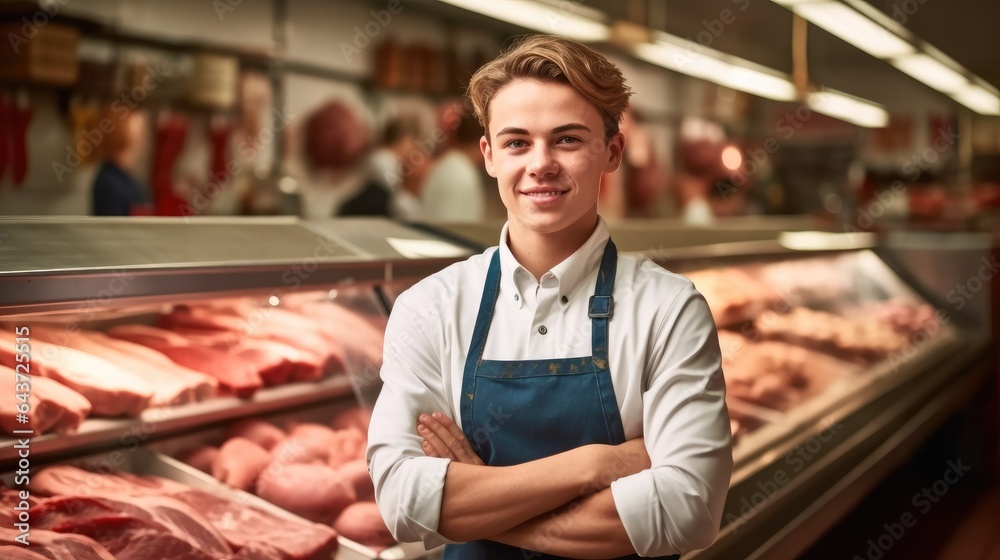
column 547, row 151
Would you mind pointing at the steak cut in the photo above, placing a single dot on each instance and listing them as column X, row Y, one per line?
column 58, row 546
column 240, row 525
column 168, row 388
column 236, row 376
column 243, row 525
column 66, row 514
column 54, row 407
column 111, row 390
column 19, row 552
column 206, row 386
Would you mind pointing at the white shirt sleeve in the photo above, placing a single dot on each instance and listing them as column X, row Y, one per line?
column 408, row 484
column 676, row 506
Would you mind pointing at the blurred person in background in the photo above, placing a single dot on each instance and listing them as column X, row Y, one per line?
column 115, row 191
column 453, row 189
column 400, row 165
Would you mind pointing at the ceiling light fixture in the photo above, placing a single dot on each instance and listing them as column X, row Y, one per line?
column 574, row 23
column 848, row 108
column 877, row 34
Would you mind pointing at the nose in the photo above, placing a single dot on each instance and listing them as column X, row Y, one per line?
column 541, row 163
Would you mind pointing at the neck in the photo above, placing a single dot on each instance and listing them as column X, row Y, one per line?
column 539, row 252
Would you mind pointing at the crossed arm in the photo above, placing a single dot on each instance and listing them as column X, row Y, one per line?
column 559, row 505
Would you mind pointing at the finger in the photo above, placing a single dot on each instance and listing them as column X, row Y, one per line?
column 439, row 447
column 429, row 449
column 442, row 434
column 459, row 435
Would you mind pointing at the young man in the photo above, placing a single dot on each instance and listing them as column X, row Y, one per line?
column 550, row 398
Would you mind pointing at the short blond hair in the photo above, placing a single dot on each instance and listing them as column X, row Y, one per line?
column 548, row 58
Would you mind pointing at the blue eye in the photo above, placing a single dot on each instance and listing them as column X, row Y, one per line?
column 511, row 144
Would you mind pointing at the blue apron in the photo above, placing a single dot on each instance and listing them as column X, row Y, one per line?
column 518, row 411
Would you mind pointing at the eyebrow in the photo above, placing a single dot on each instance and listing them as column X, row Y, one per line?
column 556, row 130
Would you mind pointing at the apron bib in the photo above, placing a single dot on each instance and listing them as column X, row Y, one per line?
column 514, row 411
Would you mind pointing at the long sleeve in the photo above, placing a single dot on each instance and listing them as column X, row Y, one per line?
column 408, row 484
column 676, row 506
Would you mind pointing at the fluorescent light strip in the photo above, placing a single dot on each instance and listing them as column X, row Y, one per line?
column 931, row 72
column 539, row 17
column 692, row 59
column 979, row 99
column 848, row 108
column 851, row 26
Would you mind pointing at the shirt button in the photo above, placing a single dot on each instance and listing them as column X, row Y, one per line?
column 517, row 297
column 565, row 299
column 542, row 330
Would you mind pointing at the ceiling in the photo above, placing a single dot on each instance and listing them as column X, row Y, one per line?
column 760, row 31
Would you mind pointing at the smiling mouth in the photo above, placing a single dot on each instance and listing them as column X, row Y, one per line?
column 544, row 193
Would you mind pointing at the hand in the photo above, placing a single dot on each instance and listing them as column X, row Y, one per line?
column 619, row 461
column 444, row 439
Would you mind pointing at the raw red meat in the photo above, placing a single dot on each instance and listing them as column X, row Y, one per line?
column 243, row 525
column 275, row 324
column 235, row 375
column 315, row 492
column 239, row 463
column 356, row 474
column 171, row 386
column 295, row 450
column 132, row 527
column 353, row 417
column 259, row 551
column 361, row 522
column 18, row 552
column 57, row 546
column 201, row 457
column 239, row 524
column 206, row 386
column 276, row 363
column 260, row 432
column 54, row 407
column 111, row 390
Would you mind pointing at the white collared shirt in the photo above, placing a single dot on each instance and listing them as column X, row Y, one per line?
column 665, row 365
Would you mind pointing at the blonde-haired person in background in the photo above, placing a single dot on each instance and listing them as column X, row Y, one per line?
column 549, row 397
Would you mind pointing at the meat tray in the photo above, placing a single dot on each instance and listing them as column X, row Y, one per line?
column 145, row 462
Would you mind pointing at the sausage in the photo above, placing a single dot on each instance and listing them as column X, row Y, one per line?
column 361, row 522
column 240, row 462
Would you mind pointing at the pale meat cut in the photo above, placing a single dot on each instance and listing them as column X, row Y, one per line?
column 235, row 375
column 239, row 463
column 53, row 406
column 361, row 522
column 315, row 492
column 858, row 339
column 359, row 337
column 111, row 390
column 206, row 386
column 169, row 388
column 260, row 432
column 58, row 546
column 65, row 480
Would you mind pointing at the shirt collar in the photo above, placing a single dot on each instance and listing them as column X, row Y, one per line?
column 566, row 275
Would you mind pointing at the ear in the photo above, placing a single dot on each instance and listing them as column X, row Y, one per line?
column 616, row 147
column 484, row 146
